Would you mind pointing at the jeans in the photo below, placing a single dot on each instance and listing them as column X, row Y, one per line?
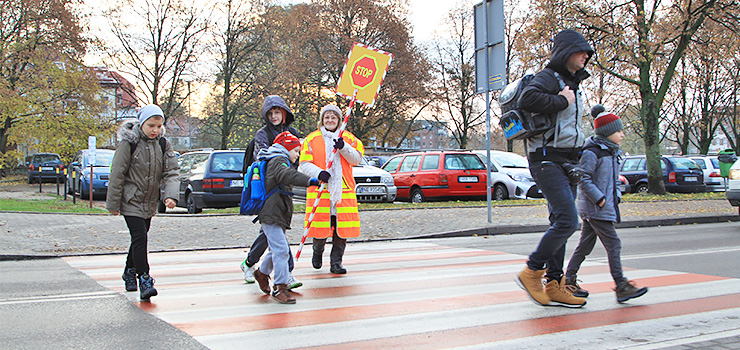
column 277, row 258
column 560, row 194
column 258, row 248
column 605, row 231
column 137, row 251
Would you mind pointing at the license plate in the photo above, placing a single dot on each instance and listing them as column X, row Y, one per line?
column 237, row 183
column 46, row 168
column 467, row 179
column 690, row 179
column 370, row 189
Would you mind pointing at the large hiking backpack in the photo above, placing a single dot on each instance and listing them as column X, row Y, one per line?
column 254, row 193
column 517, row 123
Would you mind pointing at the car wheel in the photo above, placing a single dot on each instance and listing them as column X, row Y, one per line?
column 161, row 208
column 641, row 188
column 500, row 192
column 417, row 196
column 192, row 209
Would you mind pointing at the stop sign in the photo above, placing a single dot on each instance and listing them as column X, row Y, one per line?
column 363, row 72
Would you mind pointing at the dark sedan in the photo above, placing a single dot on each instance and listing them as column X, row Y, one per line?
column 680, row 174
column 210, row 179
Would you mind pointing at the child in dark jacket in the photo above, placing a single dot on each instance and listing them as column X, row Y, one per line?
column 277, row 213
column 598, row 204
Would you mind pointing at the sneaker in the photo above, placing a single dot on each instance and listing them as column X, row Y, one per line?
column 248, row 272
column 129, row 279
column 531, row 281
column 337, row 269
column 293, row 283
column 571, row 284
column 627, row 290
column 263, row 281
column 560, row 296
column 146, row 287
column 281, row 295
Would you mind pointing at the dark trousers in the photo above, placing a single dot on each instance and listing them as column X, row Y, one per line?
column 606, row 233
column 338, row 244
column 258, row 248
column 137, row 258
column 560, row 194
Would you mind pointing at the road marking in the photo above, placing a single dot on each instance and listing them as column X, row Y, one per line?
column 61, row 297
column 676, row 253
column 421, row 295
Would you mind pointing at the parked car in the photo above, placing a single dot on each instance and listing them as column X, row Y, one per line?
column 79, row 173
column 680, row 174
column 624, row 184
column 372, row 184
column 712, row 178
column 45, row 166
column 733, row 186
column 210, row 179
column 423, row 175
column 510, row 177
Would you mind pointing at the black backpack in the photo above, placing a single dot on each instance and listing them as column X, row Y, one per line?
column 162, row 144
column 517, row 123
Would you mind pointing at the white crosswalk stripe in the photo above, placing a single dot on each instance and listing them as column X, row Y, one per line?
column 421, row 295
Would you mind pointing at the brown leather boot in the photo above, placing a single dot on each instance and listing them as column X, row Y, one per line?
column 263, row 280
column 281, row 295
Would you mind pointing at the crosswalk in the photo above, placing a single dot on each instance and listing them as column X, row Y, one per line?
column 421, row 295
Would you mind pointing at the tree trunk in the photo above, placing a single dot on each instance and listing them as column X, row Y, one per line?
column 648, row 113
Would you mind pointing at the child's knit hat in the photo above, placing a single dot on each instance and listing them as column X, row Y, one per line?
column 287, row 140
column 606, row 123
column 149, row 111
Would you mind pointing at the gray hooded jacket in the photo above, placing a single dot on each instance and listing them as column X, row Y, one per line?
column 135, row 179
column 600, row 165
column 541, row 96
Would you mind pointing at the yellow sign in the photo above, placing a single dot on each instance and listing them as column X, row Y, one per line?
column 364, row 71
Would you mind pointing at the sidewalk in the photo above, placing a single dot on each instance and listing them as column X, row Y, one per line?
column 28, row 235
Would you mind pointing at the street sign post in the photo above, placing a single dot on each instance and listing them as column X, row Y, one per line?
column 91, row 146
column 490, row 65
column 364, row 71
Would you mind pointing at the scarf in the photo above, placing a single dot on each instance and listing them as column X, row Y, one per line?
column 335, row 181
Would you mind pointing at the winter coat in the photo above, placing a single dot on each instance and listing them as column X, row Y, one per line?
column 266, row 135
column 562, row 142
column 278, row 208
column 136, row 179
column 600, row 165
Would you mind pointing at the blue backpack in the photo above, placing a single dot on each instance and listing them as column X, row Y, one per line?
column 254, row 193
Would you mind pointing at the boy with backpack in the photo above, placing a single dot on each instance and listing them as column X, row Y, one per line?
column 598, row 204
column 278, row 117
column 144, row 161
column 277, row 212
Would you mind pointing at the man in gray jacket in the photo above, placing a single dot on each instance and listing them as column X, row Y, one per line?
column 553, row 157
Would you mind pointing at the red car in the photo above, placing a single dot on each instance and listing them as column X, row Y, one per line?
column 422, row 175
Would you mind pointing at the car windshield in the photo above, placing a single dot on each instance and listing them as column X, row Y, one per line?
column 700, row 163
column 684, row 164
column 102, row 158
column 510, row 160
column 463, row 162
column 227, row 161
column 715, row 162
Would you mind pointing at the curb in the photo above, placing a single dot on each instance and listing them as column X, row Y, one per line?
column 483, row 231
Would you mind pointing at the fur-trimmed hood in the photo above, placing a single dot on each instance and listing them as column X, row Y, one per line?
column 130, row 131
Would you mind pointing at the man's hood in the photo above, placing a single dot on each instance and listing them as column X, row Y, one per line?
column 566, row 43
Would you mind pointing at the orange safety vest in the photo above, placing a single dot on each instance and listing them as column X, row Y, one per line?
column 348, row 217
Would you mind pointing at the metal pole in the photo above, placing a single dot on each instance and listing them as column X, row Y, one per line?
column 91, row 184
column 488, row 121
column 74, row 188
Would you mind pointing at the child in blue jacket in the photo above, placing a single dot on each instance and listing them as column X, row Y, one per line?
column 598, row 204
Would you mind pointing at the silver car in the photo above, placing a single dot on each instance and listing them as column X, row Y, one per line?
column 510, row 177
column 710, row 167
column 372, row 184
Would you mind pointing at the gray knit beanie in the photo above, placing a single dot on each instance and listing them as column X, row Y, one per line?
column 149, row 111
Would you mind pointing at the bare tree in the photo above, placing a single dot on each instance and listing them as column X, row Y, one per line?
column 160, row 55
column 455, row 69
